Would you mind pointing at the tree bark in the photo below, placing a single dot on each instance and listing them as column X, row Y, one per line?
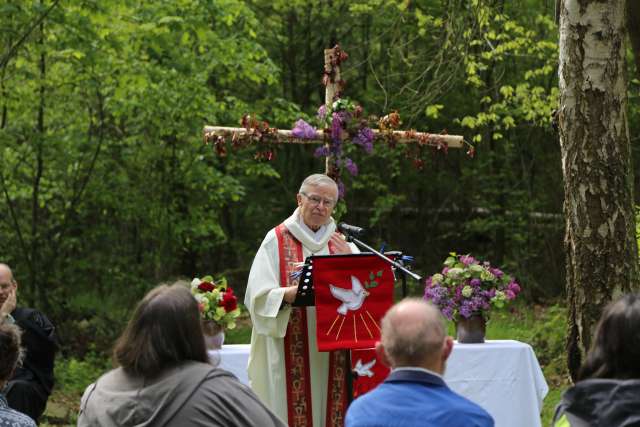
column 602, row 259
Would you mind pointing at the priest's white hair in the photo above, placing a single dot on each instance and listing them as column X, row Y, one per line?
column 315, row 180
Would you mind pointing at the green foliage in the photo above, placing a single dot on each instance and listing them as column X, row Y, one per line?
column 106, row 186
column 74, row 375
column 107, row 190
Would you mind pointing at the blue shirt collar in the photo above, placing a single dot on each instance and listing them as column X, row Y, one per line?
column 417, row 375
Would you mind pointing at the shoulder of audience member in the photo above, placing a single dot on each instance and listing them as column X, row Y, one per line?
column 34, row 320
column 15, row 418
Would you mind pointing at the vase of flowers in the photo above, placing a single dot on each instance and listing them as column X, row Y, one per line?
column 218, row 309
column 466, row 290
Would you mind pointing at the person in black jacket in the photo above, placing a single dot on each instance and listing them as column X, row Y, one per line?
column 608, row 389
column 30, row 386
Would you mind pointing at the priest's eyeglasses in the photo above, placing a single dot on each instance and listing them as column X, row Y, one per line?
column 316, row 200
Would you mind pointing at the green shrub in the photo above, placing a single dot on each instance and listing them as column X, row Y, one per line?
column 74, row 375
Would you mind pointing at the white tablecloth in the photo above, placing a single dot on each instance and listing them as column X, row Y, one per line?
column 503, row 377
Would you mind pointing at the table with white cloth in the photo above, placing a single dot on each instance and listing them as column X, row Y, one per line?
column 502, row 376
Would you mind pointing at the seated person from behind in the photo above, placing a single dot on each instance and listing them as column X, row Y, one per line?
column 29, row 388
column 165, row 378
column 414, row 344
column 608, row 389
column 9, row 359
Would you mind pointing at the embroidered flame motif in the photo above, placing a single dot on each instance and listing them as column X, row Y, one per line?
column 352, row 300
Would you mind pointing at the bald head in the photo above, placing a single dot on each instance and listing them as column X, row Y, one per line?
column 6, row 273
column 413, row 334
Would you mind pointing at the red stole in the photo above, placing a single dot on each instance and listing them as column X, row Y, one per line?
column 296, row 350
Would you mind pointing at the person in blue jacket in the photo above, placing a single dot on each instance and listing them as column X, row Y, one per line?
column 414, row 344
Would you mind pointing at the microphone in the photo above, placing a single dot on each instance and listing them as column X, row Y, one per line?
column 351, row 230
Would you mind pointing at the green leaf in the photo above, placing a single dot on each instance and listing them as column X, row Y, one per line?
column 433, row 111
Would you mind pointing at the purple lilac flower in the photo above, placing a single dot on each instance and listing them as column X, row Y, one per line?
column 447, row 312
column 509, row 294
column 364, row 138
column 336, row 147
column 475, row 282
column 338, row 122
column 341, row 190
column 459, row 292
column 351, row 166
column 321, row 151
column 465, row 310
column 322, row 112
column 303, row 130
column 336, row 128
column 478, row 302
column 467, row 259
column 496, row 272
column 514, row 287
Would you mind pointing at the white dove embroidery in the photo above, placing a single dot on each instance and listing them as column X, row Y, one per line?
column 363, row 369
column 352, row 299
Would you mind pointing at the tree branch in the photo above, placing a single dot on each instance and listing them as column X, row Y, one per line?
column 13, row 49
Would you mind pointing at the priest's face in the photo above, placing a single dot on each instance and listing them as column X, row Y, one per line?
column 316, row 205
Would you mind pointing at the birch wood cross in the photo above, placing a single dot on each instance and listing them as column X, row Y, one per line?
column 333, row 82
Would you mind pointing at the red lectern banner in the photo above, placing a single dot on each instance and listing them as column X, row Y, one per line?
column 369, row 371
column 352, row 294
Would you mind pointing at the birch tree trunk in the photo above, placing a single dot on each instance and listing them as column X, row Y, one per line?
column 602, row 259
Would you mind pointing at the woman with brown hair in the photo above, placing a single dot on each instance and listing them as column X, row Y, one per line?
column 608, row 389
column 164, row 377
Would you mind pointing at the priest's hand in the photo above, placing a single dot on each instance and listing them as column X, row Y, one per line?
column 290, row 294
column 340, row 245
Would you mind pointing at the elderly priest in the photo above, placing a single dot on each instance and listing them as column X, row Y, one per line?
column 301, row 385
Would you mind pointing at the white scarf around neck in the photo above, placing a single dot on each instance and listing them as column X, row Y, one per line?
column 293, row 224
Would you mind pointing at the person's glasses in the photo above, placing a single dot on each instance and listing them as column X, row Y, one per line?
column 316, row 200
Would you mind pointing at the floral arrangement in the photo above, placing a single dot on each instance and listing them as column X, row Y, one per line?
column 467, row 286
column 216, row 301
column 337, row 124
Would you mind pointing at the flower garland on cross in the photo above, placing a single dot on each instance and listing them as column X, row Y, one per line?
column 339, row 120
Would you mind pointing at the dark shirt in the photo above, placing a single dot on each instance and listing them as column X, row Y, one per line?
column 39, row 342
column 10, row 417
column 601, row 402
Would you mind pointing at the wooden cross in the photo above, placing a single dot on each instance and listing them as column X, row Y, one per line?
column 333, row 82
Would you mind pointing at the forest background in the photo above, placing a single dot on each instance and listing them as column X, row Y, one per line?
column 106, row 188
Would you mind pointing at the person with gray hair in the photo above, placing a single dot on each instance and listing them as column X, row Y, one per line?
column 10, row 356
column 414, row 344
column 285, row 368
column 28, row 390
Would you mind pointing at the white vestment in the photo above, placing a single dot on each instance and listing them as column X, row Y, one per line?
column 264, row 298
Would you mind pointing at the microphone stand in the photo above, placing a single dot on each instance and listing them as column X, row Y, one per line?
column 396, row 264
column 350, row 238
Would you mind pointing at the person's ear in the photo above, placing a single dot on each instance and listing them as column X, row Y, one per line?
column 299, row 199
column 382, row 355
column 447, row 348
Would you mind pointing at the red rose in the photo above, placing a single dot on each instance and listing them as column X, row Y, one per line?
column 229, row 301
column 206, row 287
